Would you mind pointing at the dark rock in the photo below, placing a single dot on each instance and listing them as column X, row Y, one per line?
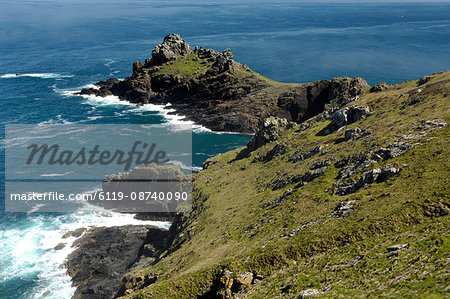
column 300, row 156
column 228, row 96
column 356, row 133
column 271, row 129
column 104, row 254
column 309, row 293
column 346, row 116
column 393, row 150
column 321, row 164
column 397, row 247
column 60, row 246
column 172, row 47
column 345, row 89
column 277, row 150
column 379, row 87
column 344, row 209
column 244, row 278
column 424, row 80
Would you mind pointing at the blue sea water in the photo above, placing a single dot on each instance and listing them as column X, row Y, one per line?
column 62, row 46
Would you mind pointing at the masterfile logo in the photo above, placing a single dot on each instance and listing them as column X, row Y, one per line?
column 127, row 168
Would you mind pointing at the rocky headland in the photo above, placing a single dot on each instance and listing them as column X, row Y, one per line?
column 341, row 193
column 213, row 90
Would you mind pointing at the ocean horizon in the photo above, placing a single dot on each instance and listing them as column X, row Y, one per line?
column 49, row 50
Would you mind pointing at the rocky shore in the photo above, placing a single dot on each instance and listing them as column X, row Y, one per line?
column 213, row 90
column 103, row 255
column 342, row 191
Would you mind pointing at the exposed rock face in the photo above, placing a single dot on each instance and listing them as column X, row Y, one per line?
column 172, row 47
column 211, row 89
column 270, row 130
column 346, row 116
column 356, row 133
column 105, row 254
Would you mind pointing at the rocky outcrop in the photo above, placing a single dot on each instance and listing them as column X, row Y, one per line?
column 345, row 116
column 270, row 130
column 103, row 255
column 211, row 89
column 172, row 47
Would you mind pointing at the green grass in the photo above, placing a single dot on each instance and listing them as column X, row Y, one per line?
column 188, row 66
column 229, row 228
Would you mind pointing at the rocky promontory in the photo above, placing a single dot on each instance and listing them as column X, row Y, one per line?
column 211, row 89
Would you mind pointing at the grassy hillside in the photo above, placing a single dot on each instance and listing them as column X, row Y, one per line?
column 279, row 215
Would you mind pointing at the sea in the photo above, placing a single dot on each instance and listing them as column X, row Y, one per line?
column 61, row 46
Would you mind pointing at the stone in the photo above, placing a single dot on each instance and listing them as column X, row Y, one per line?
column 226, row 279
column 379, row 87
column 308, row 293
column 277, row 150
column 270, row 130
column 346, row 116
column 424, row 80
column 244, row 278
column 397, row 247
column 60, row 246
column 344, row 209
column 346, row 89
column 300, row 156
column 356, row 133
column 137, row 66
column 119, row 249
column 172, row 47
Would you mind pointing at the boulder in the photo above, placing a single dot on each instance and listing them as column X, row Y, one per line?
column 356, row 133
column 172, row 47
column 346, row 116
column 379, row 87
column 344, row 89
column 308, row 293
column 244, row 278
column 270, row 130
column 424, row 80
column 397, row 247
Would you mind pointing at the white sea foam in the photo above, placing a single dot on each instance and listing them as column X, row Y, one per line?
column 36, row 75
column 56, row 174
column 28, row 248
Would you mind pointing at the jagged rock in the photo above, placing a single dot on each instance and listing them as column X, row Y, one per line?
column 424, row 80
column 356, row 133
column 119, row 248
column 346, row 116
column 344, row 209
column 277, row 150
column 300, row 156
column 379, row 87
column 393, row 150
column 172, row 47
column 270, row 130
column 60, row 246
column 309, row 176
column 397, row 247
column 433, row 124
column 308, row 293
column 276, row 202
column 137, row 66
column 321, row 164
column 226, row 279
column 220, row 93
column 346, row 89
column 374, row 175
column 244, row 278
column 76, row 233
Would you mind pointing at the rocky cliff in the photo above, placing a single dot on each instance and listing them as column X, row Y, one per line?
column 353, row 202
column 213, row 90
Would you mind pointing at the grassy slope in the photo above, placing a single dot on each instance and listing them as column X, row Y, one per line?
column 230, row 229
